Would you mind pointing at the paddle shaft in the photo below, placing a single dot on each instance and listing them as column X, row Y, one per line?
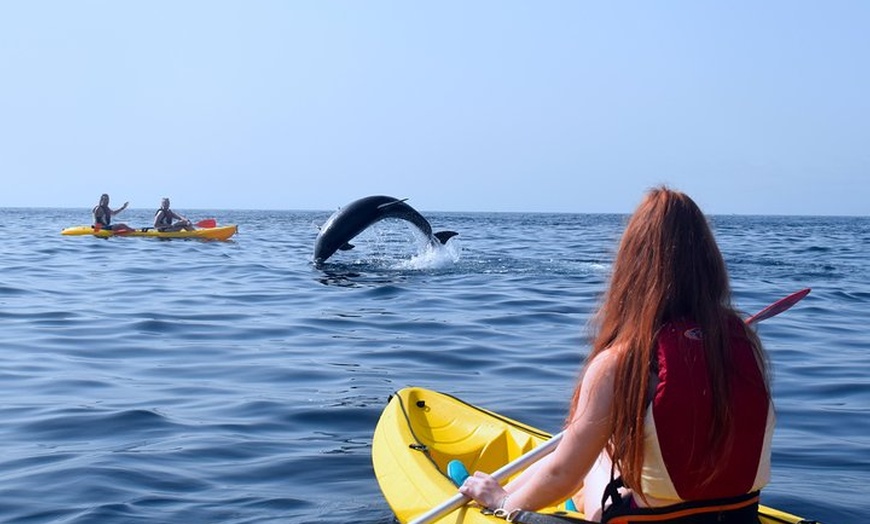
column 205, row 223
column 503, row 473
column 511, row 468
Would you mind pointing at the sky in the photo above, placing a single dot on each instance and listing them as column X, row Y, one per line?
column 492, row 105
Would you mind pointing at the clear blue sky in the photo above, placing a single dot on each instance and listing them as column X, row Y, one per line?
column 750, row 107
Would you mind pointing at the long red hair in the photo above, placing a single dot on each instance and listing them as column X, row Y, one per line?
column 668, row 267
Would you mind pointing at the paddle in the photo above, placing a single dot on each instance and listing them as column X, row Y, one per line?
column 778, row 307
column 508, row 470
column 115, row 231
column 205, row 223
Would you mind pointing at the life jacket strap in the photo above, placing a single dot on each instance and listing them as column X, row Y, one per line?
column 737, row 510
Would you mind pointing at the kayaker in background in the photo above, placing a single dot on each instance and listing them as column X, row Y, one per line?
column 674, row 393
column 164, row 219
column 103, row 215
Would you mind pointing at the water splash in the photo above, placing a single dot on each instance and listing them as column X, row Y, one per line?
column 434, row 256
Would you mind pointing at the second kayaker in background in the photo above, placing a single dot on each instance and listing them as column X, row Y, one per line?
column 165, row 219
column 672, row 415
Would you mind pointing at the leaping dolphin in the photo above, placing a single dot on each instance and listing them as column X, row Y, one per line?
column 351, row 220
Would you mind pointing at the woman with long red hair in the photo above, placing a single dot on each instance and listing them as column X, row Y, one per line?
column 672, row 414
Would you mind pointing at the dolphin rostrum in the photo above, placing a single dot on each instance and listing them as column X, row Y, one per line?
column 351, row 220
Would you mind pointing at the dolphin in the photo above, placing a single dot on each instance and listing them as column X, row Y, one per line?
column 351, row 220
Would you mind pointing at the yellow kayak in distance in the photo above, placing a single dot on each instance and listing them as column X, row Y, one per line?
column 205, row 233
column 420, row 431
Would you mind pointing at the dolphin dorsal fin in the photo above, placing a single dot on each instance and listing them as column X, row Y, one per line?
column 393, row 203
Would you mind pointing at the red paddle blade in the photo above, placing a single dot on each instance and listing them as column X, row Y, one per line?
column 98, row 227
column 778, row 307
column 207, row 222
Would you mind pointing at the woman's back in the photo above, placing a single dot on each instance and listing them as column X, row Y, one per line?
column 679, row 463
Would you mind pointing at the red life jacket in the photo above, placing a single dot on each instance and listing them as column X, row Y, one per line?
column 678, row 462
column 681, row 410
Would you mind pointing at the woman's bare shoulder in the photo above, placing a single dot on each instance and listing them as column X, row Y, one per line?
column 604, row 362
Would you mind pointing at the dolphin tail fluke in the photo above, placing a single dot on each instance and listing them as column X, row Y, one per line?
column 347, row 246
column 444, row 236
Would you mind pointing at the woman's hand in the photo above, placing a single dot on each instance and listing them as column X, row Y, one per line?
column 484, row 490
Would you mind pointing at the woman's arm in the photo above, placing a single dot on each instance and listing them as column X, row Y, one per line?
column 115, row 212
column 560, row 475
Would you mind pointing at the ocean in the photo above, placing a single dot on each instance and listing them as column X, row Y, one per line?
column 235, row 382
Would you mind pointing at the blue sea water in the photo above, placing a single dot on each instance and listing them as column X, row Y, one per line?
column 235, row 382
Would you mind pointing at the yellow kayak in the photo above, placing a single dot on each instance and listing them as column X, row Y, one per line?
column 421, row 431
column 206, row 233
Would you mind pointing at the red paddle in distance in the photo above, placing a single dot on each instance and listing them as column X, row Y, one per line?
column 207, row 223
